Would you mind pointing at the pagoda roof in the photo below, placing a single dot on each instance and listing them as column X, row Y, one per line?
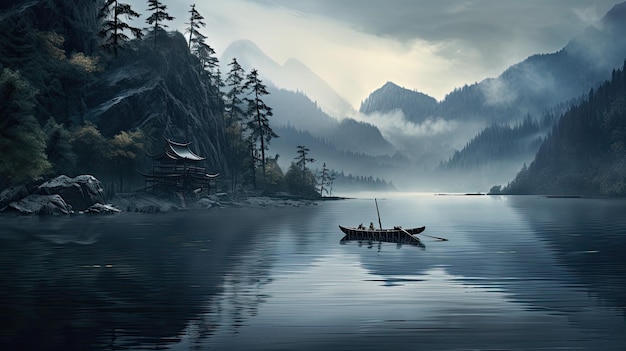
column 176, row 151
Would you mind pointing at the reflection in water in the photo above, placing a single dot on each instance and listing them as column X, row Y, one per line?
column 517, row 273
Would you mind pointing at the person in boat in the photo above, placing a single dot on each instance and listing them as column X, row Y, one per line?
column 372, row 226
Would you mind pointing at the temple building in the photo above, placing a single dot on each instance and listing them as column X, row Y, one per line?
column 178, row 168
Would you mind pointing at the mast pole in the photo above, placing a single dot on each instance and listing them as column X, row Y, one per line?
column 378, row 213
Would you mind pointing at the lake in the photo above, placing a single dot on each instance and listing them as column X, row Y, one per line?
column 517, row 273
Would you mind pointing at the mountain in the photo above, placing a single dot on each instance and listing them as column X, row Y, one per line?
column 542, row 84
column 51, row 48
column 529, row 87
column 161, row 90
column 585, row 154
column 292, row 75
column 293, row 109
column 416, row 106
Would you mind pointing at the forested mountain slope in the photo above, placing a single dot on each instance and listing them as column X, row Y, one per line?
column 585, row 154
column 530, row 87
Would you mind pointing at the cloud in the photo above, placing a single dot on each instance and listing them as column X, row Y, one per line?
column 431, row 46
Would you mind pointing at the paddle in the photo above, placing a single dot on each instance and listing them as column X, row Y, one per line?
column 430, row 236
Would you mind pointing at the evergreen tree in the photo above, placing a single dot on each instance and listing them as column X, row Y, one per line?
column 113, row 27
column 157, row 17
column 195, row 22
column 302, row 160
column 22, row 142
column 299, row 183
column 234, row 81
column 324, row 180
column 258, row 112
column 238, row 147
column 58, row 148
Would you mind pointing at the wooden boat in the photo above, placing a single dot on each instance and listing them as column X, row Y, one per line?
column 396, row 235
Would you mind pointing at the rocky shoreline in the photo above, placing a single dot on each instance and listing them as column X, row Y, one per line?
column 84, row 194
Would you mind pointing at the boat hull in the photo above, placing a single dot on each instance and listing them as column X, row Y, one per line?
column 403, row 236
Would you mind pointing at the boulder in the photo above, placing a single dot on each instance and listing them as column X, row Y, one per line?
column 102, row 209
column 41, row 205
column 12, row 194
column 79, row 192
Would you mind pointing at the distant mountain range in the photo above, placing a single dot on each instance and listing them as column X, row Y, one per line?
column 292, row 75
column 532, row 86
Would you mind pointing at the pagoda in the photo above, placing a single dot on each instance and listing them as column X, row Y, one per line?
column 178, row 168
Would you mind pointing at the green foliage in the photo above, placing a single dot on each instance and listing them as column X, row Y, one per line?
column 274, row 179
column 91, row 150
column 123, row 151
column 301, row 183
column 302, row 160
column 22, row 142
column 58, row 148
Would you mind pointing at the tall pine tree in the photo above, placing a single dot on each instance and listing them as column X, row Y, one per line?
column 233, row 122
column 22, row 142
column 157, row 18
column 113, row 26
column 195, row 22
column 258, row 112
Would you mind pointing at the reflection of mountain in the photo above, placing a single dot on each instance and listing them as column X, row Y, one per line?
column 593, row 251
column 123, row 281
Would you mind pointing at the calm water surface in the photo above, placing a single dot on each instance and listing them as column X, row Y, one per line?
column 518, row 273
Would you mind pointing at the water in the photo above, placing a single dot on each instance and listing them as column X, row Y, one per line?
column 518, row 273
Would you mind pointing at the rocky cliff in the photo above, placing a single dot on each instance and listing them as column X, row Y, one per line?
column 161, row 90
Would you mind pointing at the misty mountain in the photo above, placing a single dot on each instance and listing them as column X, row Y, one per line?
column 543, row 83
column 530, row 87
column 496, row 153
column 292, row 75
column 293, row 109
column 416, row 106
column 585, row 154
column 349, row 162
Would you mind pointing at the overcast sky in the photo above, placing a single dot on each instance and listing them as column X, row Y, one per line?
column 431, row 46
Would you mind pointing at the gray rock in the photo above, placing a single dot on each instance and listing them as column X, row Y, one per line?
column 79, row 192
column 41, row 205
column 12, row 194
column 102, row 209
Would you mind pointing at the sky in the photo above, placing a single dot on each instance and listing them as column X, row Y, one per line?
column 431, row 46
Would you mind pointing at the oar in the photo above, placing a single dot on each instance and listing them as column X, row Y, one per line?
column 430, row 236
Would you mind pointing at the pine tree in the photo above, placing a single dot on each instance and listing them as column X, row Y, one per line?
column 324, row 179
column 258, row 112
column 22, row 142
column 195, row 22
column 234, row 80
column 157, row 17
column 238, row 148
column 113, row 27
column 302, row 160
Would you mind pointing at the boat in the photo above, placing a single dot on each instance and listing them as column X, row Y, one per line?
column 397, row 235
